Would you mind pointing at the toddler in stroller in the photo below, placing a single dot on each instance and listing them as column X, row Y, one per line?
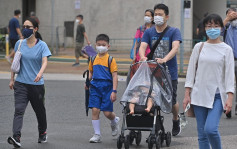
column 139, row 97
column 149, row 91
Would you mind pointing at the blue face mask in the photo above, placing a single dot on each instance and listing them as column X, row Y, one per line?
column 27, row 33
column 213, row 33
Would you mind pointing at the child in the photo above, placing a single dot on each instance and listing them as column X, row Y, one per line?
column 103, row 87
column 139, row 97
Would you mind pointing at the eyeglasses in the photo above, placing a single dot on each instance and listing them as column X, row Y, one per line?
column 27, row 26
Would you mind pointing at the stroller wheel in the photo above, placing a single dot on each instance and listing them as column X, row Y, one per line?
column 158, row 142
column 138, row 138
column 126, row 142
column 168, row 139
column 119, row 142
column 150, row 142
column 132, row 136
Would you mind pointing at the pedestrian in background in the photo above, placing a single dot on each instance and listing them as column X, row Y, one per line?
column 200, row 31
column 164, row 52
column 29, row 83
column 209, row 85
column 103, row 87
column 32, row 15
column 14, row 33
column 230, row 38
column 148, row 19
column 80, row 35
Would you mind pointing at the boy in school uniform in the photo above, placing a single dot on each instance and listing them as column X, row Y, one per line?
column 103, row 87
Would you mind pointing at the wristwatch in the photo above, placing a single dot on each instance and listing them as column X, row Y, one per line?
column 115, row 91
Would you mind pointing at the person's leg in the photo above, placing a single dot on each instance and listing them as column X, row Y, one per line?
column 201, row 116
column 212, row 123
column 21, row 101
column 131, row 108
column 149, row 105
column 77, row 54
column 94, row 104
column 176, row 130
column 37, row 101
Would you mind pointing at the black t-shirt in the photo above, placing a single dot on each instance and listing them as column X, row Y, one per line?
column 80, row 33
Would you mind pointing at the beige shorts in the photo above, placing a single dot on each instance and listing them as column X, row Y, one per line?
column 78, row 49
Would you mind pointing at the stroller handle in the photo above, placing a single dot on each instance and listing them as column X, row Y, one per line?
column 164, row 65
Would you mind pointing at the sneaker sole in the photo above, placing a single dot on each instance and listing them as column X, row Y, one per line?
column 13, row 142
column 95, row 141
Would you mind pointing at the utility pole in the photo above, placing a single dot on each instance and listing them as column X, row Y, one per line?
column 52, row 25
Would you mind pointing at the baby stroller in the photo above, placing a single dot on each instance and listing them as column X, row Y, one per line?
column 157, row 77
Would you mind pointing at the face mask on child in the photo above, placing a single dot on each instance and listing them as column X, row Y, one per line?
column 101, row 49
column 233, row 23
column 213, row 33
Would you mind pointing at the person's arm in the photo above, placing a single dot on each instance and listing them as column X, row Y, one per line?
column 197, row 31
column 230, row 16
column 135, row 50
column 142, row 51
column 115, row 84
column 187, row 98
column 11, row 84
column 19, row 33
column 87, row 40
column 171, row 54
column 43, row 67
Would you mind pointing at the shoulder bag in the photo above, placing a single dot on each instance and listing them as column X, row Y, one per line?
column 17, row 58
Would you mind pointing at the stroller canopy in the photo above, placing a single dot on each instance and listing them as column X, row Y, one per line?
column 149, row 80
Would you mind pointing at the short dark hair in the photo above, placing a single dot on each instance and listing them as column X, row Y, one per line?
column 213, row 18
column 80, row 16
column 103, row 37
column 163, row 7
column 151, row 11
column 16, row 12
column 230, row 9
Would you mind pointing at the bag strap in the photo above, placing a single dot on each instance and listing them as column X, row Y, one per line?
column 150, row 55
column 19, row 46
column 200, row 49
column 225, row 31
column 110, row 58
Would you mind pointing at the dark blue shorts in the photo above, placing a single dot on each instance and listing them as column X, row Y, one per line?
column 100, row 96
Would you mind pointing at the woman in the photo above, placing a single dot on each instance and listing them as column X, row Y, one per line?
column 148, row 19
column 209, row 85
column 29, row 83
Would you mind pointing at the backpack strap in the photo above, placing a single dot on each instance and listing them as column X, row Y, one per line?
column 110, row 58
column 110, row 61
column 225, row 31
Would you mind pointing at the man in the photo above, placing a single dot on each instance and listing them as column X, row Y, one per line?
column 165, row 52
column 14, row 33
column 81, row 34
column 230, row 37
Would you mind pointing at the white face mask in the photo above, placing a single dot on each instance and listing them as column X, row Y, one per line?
column 159, row 20
column 147, row 19
column 19, row 16
column 77, row 21
column 101, row 49
column 233, row 23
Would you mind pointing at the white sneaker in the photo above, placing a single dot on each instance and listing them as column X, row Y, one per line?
column 95, row 139
column 115, row 127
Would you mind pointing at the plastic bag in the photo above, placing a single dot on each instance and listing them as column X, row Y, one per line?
column 144, row 81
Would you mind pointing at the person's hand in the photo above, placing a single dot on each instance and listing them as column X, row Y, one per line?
column 231, row 16
column 21, row 37
column 186, row 100
column 113, row 96
column 89, row 43
column 160, row 60
column 86, row 87
column 228, row 105
column 143, row 59
column 11, row 84
column 38, row 77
